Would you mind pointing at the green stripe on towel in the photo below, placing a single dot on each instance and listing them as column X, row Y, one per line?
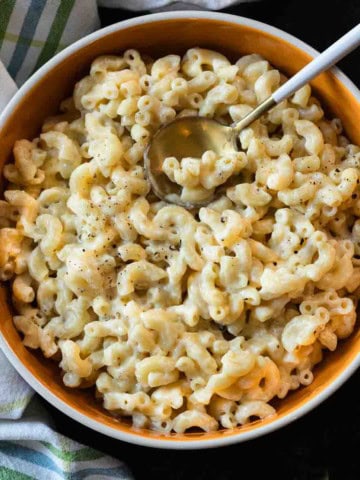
column 15, row 405
column 10, row 37
column 56, row 31
column 8, row 474
column 80, row 455
column 7, row 7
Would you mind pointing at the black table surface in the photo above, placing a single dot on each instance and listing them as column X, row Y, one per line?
column 325, row 443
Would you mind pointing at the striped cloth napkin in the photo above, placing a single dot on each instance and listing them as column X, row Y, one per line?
column 31, row 449
column 32, row 32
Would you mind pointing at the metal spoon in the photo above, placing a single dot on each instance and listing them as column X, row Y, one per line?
column 192, row 136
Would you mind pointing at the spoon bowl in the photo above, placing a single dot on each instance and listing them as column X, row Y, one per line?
column 181, row 138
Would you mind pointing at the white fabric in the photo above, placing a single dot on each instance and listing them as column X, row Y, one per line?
column 7, row 89
column 137, row 5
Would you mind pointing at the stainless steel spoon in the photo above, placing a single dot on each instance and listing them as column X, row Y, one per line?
column 192, row 136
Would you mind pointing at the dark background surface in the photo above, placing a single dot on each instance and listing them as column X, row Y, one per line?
column 324, row 444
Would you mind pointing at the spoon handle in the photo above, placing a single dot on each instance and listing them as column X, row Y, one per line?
column 325, row 60
column 322, row 62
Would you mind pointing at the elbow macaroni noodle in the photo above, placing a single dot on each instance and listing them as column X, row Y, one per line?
column 183, row 319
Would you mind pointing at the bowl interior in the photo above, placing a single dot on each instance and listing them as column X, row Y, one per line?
column 159, row 38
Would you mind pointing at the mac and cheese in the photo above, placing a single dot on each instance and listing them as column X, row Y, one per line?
column 183, row 318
